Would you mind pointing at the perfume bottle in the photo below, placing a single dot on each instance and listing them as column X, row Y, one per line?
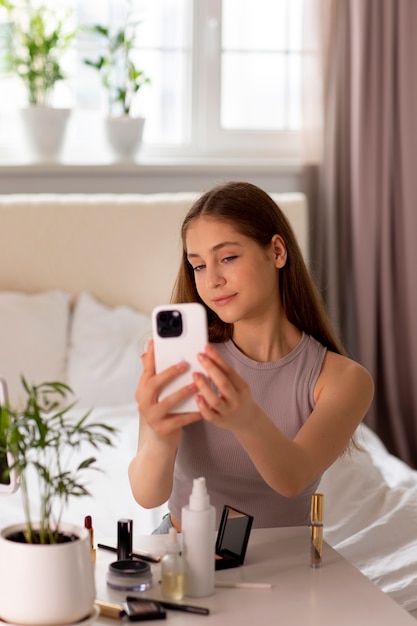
column 172, row 569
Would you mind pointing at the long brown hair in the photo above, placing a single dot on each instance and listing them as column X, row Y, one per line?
column 253, row 213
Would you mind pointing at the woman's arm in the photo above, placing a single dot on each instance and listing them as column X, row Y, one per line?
column 151, row 470
column 343, row 394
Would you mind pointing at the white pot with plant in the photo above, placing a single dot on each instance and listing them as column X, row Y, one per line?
column 38, row 39
column 123, row 80
column 46, row 565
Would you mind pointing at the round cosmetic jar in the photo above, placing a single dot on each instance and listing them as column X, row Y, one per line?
column 129, row 575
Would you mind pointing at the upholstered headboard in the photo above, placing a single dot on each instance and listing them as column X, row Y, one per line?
column 124, row 249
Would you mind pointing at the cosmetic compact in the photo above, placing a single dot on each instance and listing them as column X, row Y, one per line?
column 232, row 538
column 129, row 575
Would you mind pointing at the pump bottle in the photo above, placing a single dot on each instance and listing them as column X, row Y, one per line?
column 198, row 520
column 172, row 569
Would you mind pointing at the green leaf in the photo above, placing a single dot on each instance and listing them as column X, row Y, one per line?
column 86, row 463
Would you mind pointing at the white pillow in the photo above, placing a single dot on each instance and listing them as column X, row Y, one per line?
column 104, row 354
column 33, row 338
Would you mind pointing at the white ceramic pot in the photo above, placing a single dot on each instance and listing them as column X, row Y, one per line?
column 46, row 129
column 46, row 585
column 124, row 136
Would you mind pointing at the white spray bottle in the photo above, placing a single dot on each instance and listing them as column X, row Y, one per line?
column 198, row 520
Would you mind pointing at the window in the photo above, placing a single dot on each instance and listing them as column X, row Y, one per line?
column 226, row 76
column 252, row 85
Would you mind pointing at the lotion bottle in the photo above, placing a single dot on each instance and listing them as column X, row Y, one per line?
column 198, row 521
column 172, row 569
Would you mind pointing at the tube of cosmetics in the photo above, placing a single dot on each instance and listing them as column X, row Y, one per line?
column 316, row 530
column 124, row 539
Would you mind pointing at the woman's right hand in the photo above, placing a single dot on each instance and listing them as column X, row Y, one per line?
column 156, row 413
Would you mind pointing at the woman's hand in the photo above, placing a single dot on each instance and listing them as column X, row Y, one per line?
column 156, row 412
column 159, row 432
column 228, row 405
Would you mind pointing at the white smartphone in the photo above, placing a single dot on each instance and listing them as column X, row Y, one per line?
column 179, row 333
column 8, row 481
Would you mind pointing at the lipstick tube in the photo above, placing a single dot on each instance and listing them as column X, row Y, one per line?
column 124, row 539
column 316, row 530
column 88, row 524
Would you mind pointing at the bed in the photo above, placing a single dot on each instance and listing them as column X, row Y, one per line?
column 79, row 275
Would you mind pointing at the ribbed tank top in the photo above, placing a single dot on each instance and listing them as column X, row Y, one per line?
column 284, row 390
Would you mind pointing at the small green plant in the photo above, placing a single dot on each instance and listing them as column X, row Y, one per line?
column 42, row 437
column 119, row 74
column 36, row 41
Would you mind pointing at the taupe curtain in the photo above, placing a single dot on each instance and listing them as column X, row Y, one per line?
column 366, row 262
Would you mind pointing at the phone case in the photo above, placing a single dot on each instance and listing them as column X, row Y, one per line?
column 170, row 350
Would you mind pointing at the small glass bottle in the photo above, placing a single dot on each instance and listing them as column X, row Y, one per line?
column 172, row 569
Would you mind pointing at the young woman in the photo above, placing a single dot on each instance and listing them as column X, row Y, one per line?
column 280, row 400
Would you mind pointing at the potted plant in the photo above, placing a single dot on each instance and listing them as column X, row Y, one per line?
column 123, row 80
column 47, row 560
column 36, row 43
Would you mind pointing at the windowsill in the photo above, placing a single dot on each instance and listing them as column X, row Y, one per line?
column 148, row 175
column 157, row 165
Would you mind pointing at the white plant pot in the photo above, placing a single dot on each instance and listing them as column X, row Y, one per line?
column 45, row 129
column 46, row 585
column 124, row 136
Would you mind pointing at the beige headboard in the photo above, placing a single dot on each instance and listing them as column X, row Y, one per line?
column 124, row 249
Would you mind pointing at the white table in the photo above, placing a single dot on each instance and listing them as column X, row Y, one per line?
column 337, row 594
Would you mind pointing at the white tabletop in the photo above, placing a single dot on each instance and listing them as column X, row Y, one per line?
column 335, row 594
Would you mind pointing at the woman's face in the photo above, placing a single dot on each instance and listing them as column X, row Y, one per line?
column 234, row 275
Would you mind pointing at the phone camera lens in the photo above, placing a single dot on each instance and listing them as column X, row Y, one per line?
column 169, row 323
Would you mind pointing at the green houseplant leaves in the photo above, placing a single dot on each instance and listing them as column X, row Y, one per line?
column 119, row 73
column 41, row 437
column 36, row 42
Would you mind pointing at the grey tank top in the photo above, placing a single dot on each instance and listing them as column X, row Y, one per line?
column 284, row 390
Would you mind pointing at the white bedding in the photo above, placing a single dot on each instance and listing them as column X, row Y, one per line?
column 371, row 517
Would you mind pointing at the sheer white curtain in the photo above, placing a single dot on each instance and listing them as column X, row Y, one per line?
column 366, row 214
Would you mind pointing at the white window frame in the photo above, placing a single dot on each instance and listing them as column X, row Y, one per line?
column 211, row 137
column 208, row 139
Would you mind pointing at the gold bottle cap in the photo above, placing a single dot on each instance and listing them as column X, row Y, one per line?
column 317, row 505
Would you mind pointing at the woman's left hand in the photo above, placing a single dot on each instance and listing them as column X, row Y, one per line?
column 228, row 405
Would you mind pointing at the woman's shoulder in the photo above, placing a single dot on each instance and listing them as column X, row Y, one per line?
column 339, row 369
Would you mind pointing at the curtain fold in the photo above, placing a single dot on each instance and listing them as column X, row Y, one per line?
column 367, row 261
